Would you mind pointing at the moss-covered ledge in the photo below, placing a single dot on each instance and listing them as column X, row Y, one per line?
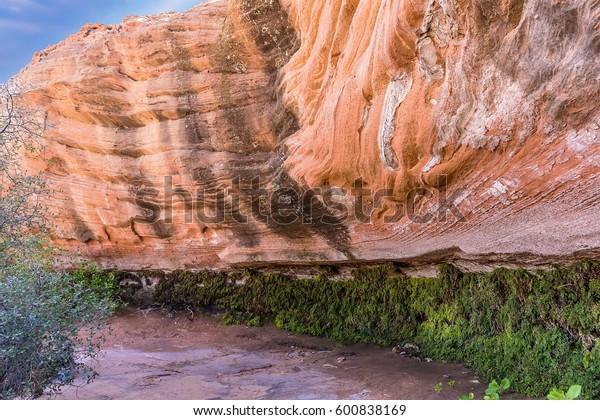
column 540, row 329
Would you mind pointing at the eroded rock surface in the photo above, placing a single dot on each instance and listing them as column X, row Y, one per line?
column 328, row 131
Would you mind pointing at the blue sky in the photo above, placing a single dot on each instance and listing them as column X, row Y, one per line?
column 27, row 26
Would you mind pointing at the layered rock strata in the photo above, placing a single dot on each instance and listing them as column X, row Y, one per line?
column 327, row 132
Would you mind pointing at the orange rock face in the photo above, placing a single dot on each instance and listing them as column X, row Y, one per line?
column 328, row 131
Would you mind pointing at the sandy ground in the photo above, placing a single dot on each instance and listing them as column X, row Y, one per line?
column 150, row 356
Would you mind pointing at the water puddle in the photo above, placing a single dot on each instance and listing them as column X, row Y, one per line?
column 150, row 357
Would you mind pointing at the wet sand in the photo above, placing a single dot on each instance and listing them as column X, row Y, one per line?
column 150, row 356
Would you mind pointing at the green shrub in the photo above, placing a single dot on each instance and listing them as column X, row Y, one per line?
column 49, row 320
column 50, row 323
column 102, row 283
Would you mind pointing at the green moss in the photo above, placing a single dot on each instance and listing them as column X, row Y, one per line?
column 540, row 329
column 103, row 283
column 227, row 54
column 270, row 27
column 182, row 58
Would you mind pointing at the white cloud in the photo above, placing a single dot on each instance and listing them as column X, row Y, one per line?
column 23, row 27
column 18, row 6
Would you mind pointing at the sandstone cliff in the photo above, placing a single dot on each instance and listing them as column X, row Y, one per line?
column 328, row 131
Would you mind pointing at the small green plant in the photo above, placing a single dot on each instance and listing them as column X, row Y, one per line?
column 571, row 394
column 438, row 387
column 471, row 396
column 451, row 383
column 495, row 389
